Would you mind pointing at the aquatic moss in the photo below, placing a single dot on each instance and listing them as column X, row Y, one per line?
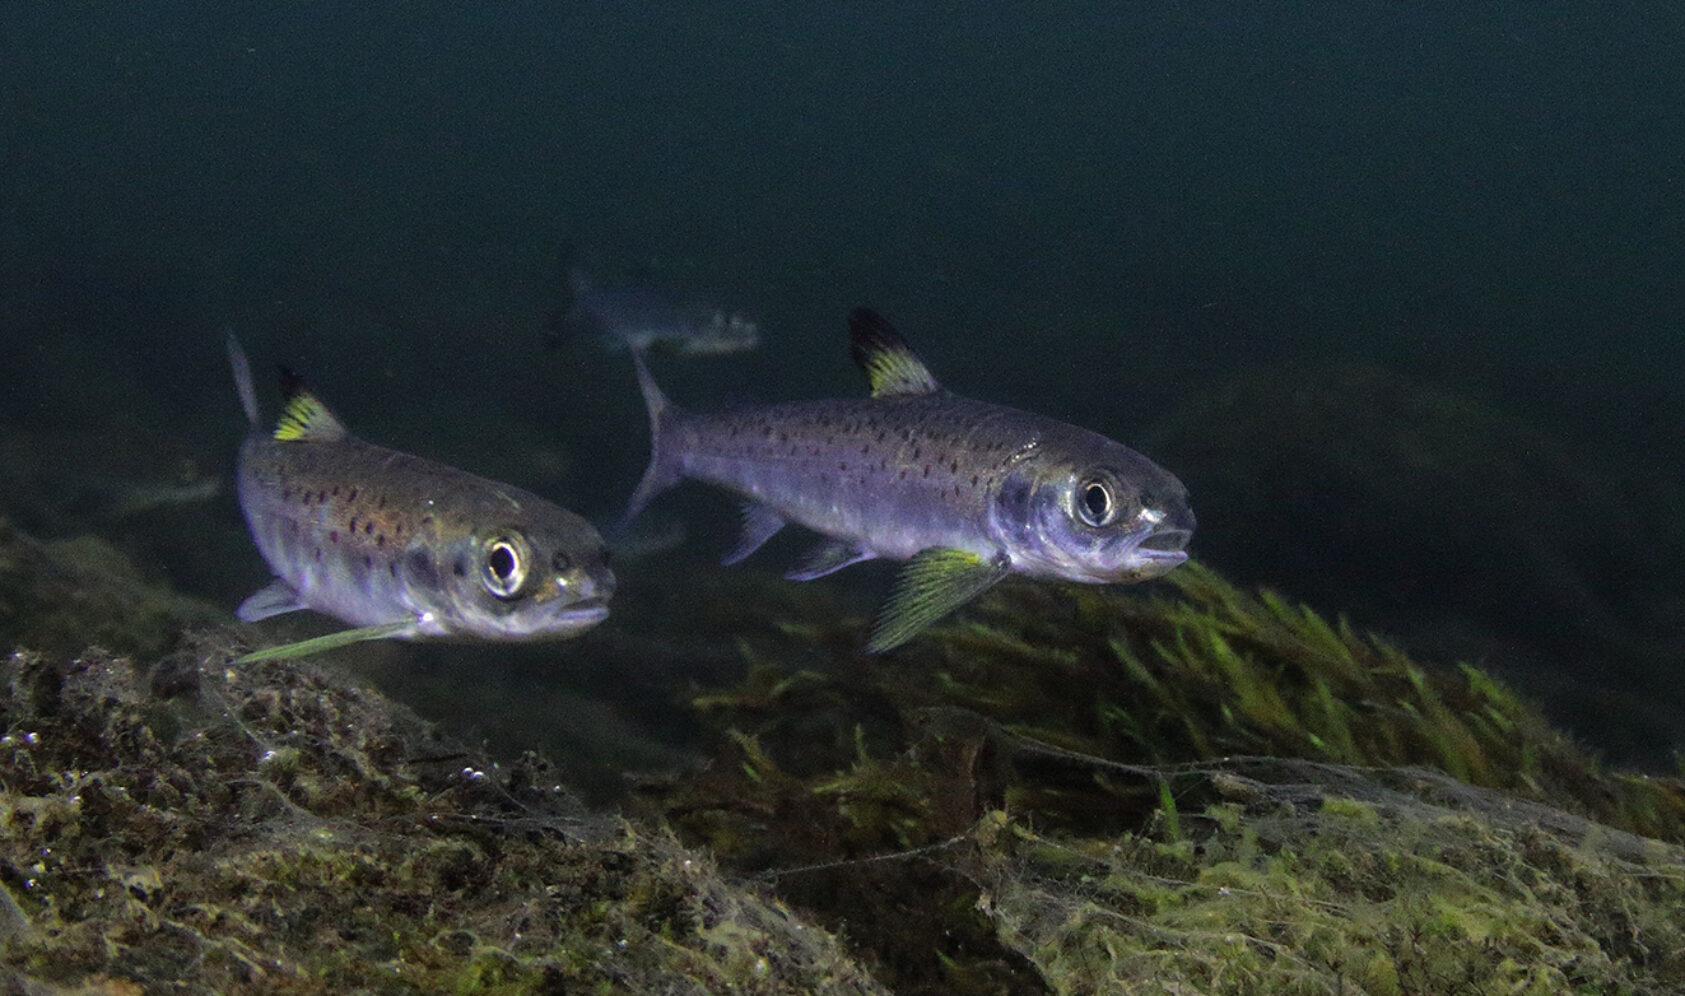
column 1382, row 893
column 204, row 827
column 1280, row 803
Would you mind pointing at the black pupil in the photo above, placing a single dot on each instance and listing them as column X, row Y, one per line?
column 1097, row 501
column 501, row 561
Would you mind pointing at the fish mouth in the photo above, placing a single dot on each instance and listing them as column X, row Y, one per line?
column 588, row 612
column 1168, row 544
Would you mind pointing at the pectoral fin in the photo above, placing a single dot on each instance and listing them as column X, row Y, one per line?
column 828, row 557
column 759, row 523
column 936, row 582
column 331, row 641
column 273, row 600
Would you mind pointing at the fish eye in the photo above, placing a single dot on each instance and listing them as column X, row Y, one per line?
column 505, row 566
column 1095, row 503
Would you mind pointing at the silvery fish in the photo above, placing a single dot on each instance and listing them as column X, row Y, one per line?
column 401, row 546
column 634, row 316
column 968, row 491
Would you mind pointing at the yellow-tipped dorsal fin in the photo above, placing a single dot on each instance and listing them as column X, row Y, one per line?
column 305, row 418
column 890, row 364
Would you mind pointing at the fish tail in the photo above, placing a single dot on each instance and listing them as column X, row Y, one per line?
column 242, row 377
column 664, row 470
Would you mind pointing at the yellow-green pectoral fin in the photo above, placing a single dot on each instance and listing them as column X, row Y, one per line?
column 305, row 417
column 891, row 366
column 331, row 641
column 936, row 582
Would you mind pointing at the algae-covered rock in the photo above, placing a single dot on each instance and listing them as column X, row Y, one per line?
column 215, row 828
column 1319, row 879
column 1183, row 789
column 66, row 594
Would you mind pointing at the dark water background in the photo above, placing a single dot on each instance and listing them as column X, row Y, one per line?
column 1395, row 287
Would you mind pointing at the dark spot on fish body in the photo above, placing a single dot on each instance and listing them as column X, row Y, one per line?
column 368, row 561
column 353, row 526
column 927, row 470
column 368, row 528
column 392, row 568
column 336, row 491
column 333, row 536
column 352, row 496
column 460, row 568
column 954, row 467
column 420, row 567
column 380, row 541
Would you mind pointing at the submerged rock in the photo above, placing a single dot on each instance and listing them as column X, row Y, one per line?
column 206, row 827
column 63, row 595
column 1182, row 787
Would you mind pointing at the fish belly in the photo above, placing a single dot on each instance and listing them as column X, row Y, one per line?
column 314, row 542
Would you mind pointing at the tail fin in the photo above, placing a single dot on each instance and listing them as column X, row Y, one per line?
column 242, row 378
column 663, row 471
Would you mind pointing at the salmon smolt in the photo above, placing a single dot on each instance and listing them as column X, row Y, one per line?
column 403, row 546
column 969, row 492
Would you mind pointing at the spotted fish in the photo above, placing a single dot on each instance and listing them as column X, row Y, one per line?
column 969, row 492
column 404, row 547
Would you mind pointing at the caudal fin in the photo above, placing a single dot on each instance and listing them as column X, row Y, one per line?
column 663, row 471
column 242, row 377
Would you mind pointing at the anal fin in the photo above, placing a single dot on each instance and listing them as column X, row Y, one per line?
column 936, row 582
column 759, row 525
column 828, row 557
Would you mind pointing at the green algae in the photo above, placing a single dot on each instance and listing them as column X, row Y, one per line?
column 289, row 832
column 1180, row 788
column 1200, row 789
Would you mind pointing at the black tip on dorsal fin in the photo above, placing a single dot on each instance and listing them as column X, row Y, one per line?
column 304, row 416
column 292, row 385
column 891, row 365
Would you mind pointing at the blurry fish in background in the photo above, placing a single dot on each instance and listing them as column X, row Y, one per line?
column 637, row 315
column 401, row 546
column 115, row 500
column 968, row 491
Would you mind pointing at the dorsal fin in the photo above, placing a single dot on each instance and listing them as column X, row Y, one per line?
column 305, row 418
column 891, row 366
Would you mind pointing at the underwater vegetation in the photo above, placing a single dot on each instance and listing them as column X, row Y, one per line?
column 1185, row 788
column 1455, row 523
column 1201, row 790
